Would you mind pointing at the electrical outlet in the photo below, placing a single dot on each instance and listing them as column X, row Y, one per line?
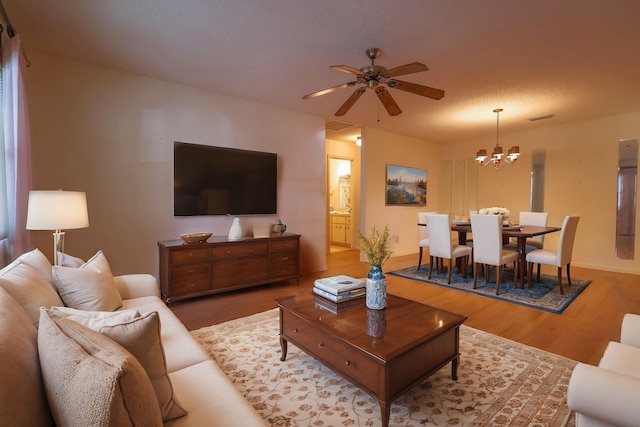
column 395, row 238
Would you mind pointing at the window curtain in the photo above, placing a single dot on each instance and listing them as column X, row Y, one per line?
column 15, row 149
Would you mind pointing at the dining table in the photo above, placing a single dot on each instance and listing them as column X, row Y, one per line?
column 520, row 232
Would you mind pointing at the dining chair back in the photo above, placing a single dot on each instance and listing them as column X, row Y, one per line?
column 441, row 244
column 560, row 257
column 534, row 218
column 423, row 234
column 487, row 248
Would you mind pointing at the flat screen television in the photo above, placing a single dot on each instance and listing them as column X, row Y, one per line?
column 210, row 180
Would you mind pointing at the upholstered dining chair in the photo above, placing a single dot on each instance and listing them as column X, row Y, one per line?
column 442, row 246
column 423, row 233
column 559, row 257
column 488, row 250
column 532, row 218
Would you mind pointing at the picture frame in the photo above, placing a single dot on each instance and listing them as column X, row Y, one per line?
column 405, row 186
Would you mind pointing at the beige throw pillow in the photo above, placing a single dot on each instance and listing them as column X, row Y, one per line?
column 28, row 288
column 141, row 337
column 96, row 319
column 91, row 380
column 89, row 287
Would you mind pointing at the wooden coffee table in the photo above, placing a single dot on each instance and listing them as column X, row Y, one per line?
column 383, row 352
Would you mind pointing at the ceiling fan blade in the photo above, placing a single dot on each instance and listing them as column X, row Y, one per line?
column 414, row 67
column 416, row 89
column 346, row 69
column 350, row 101
column 329, row 90
column 387, row 101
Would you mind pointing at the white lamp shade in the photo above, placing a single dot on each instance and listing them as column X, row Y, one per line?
column 57, row 210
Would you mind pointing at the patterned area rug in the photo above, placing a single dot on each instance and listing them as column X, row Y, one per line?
column 500, row 382
column 544, row 295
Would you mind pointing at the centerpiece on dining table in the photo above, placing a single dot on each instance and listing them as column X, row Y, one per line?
column 497, row 210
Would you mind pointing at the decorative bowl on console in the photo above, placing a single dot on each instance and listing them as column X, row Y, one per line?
column 192, row 238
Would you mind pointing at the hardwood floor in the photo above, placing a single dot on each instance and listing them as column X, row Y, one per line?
column 580, row 333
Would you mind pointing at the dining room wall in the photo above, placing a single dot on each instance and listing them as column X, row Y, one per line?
column 581, row 172
column 379, row 149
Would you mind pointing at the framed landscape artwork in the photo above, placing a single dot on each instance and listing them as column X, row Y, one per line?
column 406, row 186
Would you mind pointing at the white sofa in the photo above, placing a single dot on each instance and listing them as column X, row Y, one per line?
column 609, row 394
column 199, row 387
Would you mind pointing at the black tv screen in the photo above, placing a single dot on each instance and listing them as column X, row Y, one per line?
column 210, row 180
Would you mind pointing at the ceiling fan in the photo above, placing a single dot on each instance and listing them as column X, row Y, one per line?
column 372, row 76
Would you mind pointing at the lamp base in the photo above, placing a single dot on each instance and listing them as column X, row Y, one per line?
column 58, row 245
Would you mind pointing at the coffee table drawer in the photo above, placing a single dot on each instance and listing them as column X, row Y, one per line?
column 341, row 357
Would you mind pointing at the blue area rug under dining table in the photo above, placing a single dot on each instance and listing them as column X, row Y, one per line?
column 544, row 295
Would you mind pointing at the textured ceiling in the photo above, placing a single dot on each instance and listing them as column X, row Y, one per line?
column 575, row 59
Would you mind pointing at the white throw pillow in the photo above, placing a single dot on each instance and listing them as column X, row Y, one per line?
column 89, row 287
column 28, row 288
column 67, row 260
column 96, row 319
column 39, row 262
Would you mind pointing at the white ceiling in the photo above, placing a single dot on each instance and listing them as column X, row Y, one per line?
column 576, row 59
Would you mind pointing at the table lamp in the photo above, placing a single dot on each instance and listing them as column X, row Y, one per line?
column 57, row 210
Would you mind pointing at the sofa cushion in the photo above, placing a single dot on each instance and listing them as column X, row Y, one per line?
column 91, row 380
column 96, row 319
column 141, row 337
column 89, row 287
column 22, row 392
column 28, row 288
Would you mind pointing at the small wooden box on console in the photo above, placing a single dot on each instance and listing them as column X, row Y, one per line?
column 220, row 265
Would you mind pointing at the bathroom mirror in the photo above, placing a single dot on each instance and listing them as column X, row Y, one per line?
column 339, row 185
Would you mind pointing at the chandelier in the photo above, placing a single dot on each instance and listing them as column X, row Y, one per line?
column 497, row 157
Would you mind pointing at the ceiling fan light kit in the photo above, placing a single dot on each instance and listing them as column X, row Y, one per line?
column 497, row 157
column 375, row 77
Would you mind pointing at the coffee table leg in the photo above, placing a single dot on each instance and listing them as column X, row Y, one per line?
column 283, row 346
column 385, row 412
column 454, row 368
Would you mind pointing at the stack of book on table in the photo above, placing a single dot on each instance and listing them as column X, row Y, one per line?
column 339, row 288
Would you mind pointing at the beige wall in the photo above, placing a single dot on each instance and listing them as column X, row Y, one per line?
column 111, row 134
column 581, row 179
column 379, row 149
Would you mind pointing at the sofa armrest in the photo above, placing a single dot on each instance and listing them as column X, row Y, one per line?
column 604, row 395
column 630, row 332
column 137, row 285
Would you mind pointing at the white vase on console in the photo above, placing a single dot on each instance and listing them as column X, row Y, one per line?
column 235, row 232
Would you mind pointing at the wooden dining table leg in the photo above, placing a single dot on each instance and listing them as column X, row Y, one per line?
column 522, row 258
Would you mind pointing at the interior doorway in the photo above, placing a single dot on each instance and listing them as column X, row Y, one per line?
column 340, row 200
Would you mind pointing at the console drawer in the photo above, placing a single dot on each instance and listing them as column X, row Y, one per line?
column 284, row 264
column 189, row 278
column 239, row 250
column 189, row 255
column 339, row 356
column 284, row 245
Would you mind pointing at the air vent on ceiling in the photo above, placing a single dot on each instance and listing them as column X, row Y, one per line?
column 546, row 116
column 337, row 125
